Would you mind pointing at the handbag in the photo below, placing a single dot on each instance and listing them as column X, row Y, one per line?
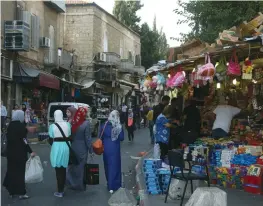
column 207, row 70
column 233, row 66
column 98, row 147
column 91, row 174
column 73, row 159
column 221, row 67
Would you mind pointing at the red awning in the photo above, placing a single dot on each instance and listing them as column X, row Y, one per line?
column 49, row 81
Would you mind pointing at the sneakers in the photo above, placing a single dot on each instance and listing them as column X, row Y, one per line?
column 23, row 197
column 59, row 194
column 111, row 191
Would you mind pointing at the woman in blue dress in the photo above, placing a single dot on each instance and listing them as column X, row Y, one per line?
column 112, row 135
column 59, row 155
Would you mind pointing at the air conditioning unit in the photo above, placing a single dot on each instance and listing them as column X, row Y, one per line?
column 102, row 57
column 45, row 42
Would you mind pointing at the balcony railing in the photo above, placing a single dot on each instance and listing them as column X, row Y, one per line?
column 108, row 58
column 50, row 57
column 105, row 74
column 127, row 66
column 67, row 59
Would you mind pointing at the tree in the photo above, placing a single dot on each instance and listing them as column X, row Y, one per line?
column 153, row 45
column 208, row 18
column 125, row 11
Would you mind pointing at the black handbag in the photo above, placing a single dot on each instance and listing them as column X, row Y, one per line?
column 91, row 174
column 73, row 159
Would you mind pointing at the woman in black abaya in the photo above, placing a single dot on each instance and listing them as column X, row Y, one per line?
column 17, row 151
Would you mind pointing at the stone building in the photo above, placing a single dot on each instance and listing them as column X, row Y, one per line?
column 108, row 51
column 35, row 67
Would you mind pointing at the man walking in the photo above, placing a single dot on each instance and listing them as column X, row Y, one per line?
column 3, row 115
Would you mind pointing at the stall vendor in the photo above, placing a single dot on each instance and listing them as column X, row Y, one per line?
column 223, row 117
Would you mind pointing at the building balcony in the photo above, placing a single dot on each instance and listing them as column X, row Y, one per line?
column 59, row 6
column 127, row 66
column 105, row 75
column 108, row 58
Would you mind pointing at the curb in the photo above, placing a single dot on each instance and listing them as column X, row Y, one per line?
column 140, row 184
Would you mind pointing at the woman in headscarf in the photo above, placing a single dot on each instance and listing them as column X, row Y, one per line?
column 130, row 125
column 82, row 146
column 112, row 134
column 59, row 155
column 71, row 111
column 17, row 151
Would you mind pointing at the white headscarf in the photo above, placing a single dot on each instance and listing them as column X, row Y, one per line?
column 58, row 116
column 18, row 115
column 114, row 119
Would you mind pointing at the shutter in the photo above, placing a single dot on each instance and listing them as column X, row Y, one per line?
column 37, row 33
column 35, row 27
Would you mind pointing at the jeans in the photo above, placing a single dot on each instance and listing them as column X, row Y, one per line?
column 219, row 133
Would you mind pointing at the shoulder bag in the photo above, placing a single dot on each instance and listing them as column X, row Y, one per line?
column 98, row 147
column 73, row 159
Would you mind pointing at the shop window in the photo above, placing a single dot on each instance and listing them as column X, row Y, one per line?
column 35, row 28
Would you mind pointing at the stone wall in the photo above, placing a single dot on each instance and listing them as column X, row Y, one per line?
column 87, row 29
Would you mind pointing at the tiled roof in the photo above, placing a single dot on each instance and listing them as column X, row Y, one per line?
column 78, row 1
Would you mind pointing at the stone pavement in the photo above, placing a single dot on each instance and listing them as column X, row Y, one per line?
column 42, row 193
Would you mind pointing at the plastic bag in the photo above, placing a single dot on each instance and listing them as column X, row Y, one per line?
column 156, row 151
column 177, row 188
column 207, row 196
column 34, row 170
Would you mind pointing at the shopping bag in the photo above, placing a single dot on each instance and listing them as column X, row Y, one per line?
column 34, row 170
column 91, row 173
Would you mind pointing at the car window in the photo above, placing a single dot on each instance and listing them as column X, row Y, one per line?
column 63, row 108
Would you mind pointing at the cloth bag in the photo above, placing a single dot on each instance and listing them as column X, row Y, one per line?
column 221, row 67
column 233, row 66
column 98, row 147
column 91, row 173
column 207, row 70
column 34, row 170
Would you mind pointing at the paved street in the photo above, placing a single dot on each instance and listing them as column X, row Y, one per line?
column 42, row 193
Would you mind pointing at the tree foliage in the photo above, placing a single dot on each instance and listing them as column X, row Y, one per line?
column 208, row 18
column 153, row 42
column 125, row 11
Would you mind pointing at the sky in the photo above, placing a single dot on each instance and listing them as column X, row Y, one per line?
column 165, row 17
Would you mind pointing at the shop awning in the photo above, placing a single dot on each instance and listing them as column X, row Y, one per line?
column 88, row 84
column 26, row 73
column 129, row 84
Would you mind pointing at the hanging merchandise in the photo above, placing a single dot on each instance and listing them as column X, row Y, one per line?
column 221, row 66
column 160, row 82
column 233, row 66
column 247, row 69
column 153, row 83
column 177, row 79
column 207, row 70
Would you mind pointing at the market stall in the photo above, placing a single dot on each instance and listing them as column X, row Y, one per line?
column 233, row 70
